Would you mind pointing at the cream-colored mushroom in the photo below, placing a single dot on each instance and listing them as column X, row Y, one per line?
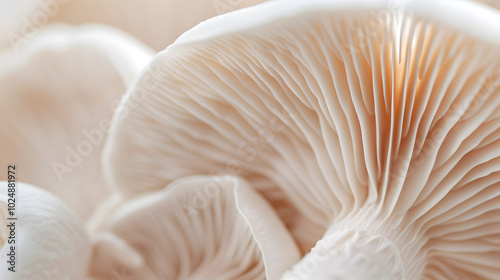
column 196, row 228
column 17, row 25
column 48, row 239
column 58, row 94
column 365, row 122
column 155, row 22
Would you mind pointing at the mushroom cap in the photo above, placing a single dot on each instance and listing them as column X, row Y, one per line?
column 50, row 239
column 157, row 23
column 197, row 228
column 58, row 95
column 377, row 116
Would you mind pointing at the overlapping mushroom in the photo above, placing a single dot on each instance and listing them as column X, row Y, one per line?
column 57, row 99
column 197, row 228
column 361, row 122
column 46, row 239
column 362, row 136
column 156, row 23
column 55, row 110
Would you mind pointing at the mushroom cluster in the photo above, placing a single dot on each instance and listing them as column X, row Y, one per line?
column 293, row 140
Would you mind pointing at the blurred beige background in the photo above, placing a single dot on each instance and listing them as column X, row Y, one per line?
column 156, row 23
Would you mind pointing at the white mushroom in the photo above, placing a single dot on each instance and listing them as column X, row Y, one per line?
column 155, row 22
column 197, row 228
column 17, row 25
column 366, row 122
column 58, row 95
column 45, row 240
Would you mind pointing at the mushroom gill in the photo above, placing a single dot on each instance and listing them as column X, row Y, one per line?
column 362, row 122
column 196, row 228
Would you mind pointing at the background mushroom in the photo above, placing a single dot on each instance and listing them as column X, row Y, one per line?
column 196, row 228
column 156, row 23
column 58, row 95
column 14, row 18
column 50, row 239
column 372, row 122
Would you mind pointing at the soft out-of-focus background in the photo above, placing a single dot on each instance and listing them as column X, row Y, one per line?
column 157, row 23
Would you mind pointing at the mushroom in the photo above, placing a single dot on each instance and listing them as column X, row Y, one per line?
column 16, row 25
column 58, row 95
column 362, row 122
column 155, row 22
column 197, row 228
column 43, row 239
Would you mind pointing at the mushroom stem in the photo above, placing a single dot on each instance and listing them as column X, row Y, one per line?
column 363, row 247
